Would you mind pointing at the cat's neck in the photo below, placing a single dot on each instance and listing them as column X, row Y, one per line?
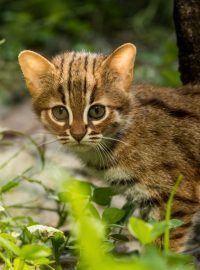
column 96, row 157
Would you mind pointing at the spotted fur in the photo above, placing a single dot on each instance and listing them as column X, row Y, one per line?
column 147, row 138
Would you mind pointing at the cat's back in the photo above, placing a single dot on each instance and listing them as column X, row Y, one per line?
column 170, row 108
column 182, row 102
column 164, row 133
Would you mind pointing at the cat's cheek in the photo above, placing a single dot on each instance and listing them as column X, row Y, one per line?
column 58, row 128
column 110, row 125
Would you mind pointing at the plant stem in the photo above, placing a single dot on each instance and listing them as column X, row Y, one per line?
column 31, row 180
column 168, row 211
column 12, row 157
column 31, row 207
column 7, row 261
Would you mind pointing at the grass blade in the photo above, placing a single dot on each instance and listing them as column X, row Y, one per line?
column 168, row 211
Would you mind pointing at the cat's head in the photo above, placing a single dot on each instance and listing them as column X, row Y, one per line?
column 81, row 97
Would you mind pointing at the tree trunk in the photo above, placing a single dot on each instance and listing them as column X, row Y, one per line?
column 187, row 23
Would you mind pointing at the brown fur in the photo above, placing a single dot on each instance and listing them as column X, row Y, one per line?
column 153, row 133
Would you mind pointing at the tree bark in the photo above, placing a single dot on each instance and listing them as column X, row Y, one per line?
column 187, row 24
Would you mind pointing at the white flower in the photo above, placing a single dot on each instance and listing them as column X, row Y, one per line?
column 45, row 232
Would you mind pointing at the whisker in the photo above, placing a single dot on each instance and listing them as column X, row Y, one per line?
column 104, row 154
column 95, row 149
column 107, row 153
column 122, row 161
column 94, row 138
column 98, row 136
column 63, row 137
column 113, row 139
column 101, row 156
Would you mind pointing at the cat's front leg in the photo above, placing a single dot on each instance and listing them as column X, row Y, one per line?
column 135, row 191
column 120, row 179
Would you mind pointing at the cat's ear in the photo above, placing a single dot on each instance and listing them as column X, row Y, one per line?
column 121, row 61
column 34, row 67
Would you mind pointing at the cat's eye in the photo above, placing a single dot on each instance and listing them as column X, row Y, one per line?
column 96, row 112
column 60, row 113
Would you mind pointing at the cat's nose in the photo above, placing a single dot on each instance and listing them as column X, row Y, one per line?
column 78, row 136
column 78, row 130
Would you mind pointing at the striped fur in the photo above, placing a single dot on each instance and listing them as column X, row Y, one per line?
column 147, row 138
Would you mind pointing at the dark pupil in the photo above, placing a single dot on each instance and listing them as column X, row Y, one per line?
column 97, row 112
column 60, row 113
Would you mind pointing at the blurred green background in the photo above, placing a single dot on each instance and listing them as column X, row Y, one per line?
column 50, row 27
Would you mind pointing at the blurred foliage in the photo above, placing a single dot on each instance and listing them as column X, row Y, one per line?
column 89, row 232
column 51, row 27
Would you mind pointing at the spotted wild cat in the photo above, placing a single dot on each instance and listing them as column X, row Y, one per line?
column 139, row 137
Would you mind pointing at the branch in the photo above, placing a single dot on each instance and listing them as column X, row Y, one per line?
column 187, row 23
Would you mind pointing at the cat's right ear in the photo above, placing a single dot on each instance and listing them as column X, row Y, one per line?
column 121, row 61
column 34, row 67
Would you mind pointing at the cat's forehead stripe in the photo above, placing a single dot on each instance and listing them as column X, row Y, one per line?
column 62, row 94
column 94, row 65
column 61, row 66
column 70, row 70
column 85, row 80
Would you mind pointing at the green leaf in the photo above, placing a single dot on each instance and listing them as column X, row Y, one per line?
column 158, row 229
column 102, row 195
column 32, row 252
column 9, row 237
column 69, row 194
column 63, row 196
column 112, row 215
column 141, row 230
column 42, row 261
column 174, row 223
column 146, row 233
column 2, row 41
column 19, row 264
column 9, row 245
column 93, row 210
column 8, row 186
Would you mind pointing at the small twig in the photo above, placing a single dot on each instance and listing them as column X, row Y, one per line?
column 31, row 207
column 62, row 213
column 31, row 180
column 11, row 158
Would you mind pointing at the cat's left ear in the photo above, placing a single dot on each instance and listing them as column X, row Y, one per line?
column 34, row 67
column 121, row 61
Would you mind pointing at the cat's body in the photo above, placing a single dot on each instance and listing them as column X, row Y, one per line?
column 138, row 138
column 161, row 142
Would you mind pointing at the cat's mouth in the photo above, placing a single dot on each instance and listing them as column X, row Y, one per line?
column 80, row 146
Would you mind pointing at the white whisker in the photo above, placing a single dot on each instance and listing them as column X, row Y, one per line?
column 107, row 153
column 113, row 139
column 62, row 137
column 101, row 156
